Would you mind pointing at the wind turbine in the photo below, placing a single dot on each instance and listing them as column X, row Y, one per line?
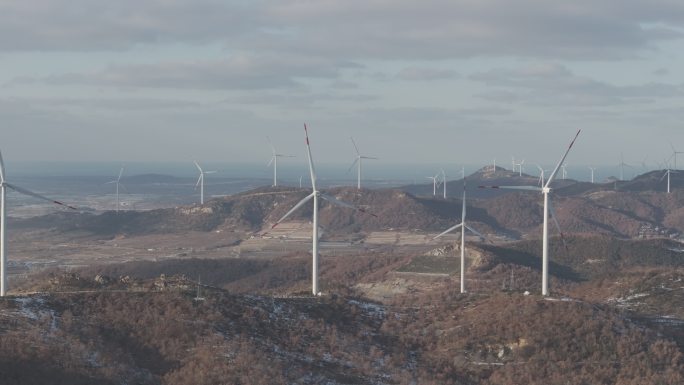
column 463, row 228
column 546, row 190
column 520, row 167
column 274, row 161
column 674, row 155
column 667, row 173
column 592, row 173
column 200, row 181
column 434, row 184
column 315, row 195
column 622, row 166
column 564, row 172
column 444, row 181
column 4, row 185
column 117, row 181
column 358, row 162
column 541, row 175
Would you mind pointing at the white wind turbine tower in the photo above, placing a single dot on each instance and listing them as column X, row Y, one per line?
column 434, row 184
column 117, row 181
column 592, row 173
column 444, row 182
column 357, row 162
column 4, row 185
column 622, row 166
column 520, row 167
column 315, row 195
column 274, row 161
column 546, row 190
column 541, row 175
column 463, row 228
column 200, row 181
column 667, row 173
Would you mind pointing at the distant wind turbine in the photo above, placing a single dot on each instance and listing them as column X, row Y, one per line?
column 564, row 172
column 463, row 228
column 200, row 181
column 622, row 166
column 434, row 184
column 546, row 190
column 359, row 159
column 674, row 155
column 117, row 181
column 592, row 173
column 520, row 167
column 541, row 176
column 4, row 185
column 315, row 195
column 274, row 161
column 444, row 183
column 667, row 173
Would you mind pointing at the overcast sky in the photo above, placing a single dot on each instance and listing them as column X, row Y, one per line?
column 453, row 81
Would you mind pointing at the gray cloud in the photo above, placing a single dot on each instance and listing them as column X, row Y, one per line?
column 83, row 25
column 117, row 104
column 237, row 72
column 423, row 74
column 554, row 84
column 438, row 29
column 303, row 99
column 402, row 29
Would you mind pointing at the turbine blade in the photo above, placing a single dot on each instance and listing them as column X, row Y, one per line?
column 198, row 166
column 293, row 209
column 338, row 202
column 31, row 193
column 472, row 230
column 271, row 144
column 120, row 173
column 552, row 211
column 312, row 171
column 369, row 157
column 211, row 172
column 355, row 148
column 2, row 168
column 555, row 170
column 198, row 181
column 663, row 177
column 450, row 229
column 353, row 164
column 271, row 161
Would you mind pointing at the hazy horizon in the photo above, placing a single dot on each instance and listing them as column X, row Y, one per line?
column 291, row 171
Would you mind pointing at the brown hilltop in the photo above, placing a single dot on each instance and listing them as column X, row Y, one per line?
column 617, row 213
